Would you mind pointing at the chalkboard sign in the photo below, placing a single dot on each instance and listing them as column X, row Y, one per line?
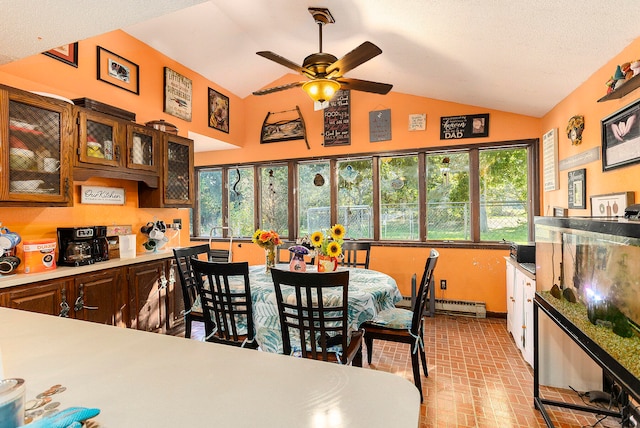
column 379, row 125
column 468, row 126
column 337, row 124
column 578, row 188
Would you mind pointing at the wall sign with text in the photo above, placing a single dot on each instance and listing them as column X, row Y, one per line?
column 102, row 195
column 379, row 125
column 467, row 126
column 337, row 123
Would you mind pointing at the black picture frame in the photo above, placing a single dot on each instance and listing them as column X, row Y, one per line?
column 578, row 189
column 66, row 53
column 218, row 111
column 118, row 71
column 464, row 126
column 621, row 137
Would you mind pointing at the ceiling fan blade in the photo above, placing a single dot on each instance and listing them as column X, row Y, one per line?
column 278, row 88
column 287, row 63
column 365, row 85
column 351, row 60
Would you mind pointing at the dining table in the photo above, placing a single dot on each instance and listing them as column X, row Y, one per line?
column 369, row 292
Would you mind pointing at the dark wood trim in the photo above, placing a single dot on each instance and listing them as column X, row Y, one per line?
column 474, row 190
column 422, row 194
column 375, row 172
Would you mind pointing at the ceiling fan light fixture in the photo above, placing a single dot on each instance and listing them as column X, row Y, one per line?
column 321, row 89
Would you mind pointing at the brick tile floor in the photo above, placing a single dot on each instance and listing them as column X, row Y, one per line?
column 477, row 378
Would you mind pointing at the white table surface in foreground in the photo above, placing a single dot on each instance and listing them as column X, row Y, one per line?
column 140, row 379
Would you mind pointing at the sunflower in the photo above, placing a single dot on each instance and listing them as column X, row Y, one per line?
column 256, row 236
column 334, row 249
column 317, row 238
column 337, row 232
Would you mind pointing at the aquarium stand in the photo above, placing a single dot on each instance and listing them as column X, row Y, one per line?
column 629, row 384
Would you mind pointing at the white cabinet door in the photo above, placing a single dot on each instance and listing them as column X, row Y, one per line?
column 511, row 283
column 529, row 294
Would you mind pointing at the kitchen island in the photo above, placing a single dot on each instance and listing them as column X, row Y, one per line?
column 140, row 379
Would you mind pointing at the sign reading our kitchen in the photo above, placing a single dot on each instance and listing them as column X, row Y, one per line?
column 467, row 126
column 337, row 123
column 102, row 195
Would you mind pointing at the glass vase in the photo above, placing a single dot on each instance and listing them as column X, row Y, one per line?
column 269, row 259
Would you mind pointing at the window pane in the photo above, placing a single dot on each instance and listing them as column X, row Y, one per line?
column 448, row 206
column 399, row 217
column 241, row 200
column 274, row 199
column 355, row 197
column 503, row 195
column 314, row 197
column 210, row 200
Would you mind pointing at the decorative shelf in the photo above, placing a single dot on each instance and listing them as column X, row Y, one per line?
column 629, row 86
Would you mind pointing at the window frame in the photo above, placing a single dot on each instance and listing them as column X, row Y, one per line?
column 533, row 190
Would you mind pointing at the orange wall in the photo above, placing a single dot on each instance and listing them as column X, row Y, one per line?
column 583, row 101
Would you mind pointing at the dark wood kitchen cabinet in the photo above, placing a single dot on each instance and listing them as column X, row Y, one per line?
column 148, row 296
column 47, row 297
column 98, row 297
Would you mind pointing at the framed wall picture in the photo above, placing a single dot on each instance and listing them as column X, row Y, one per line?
column 118, row 71
column 177, row 94
column 578, row 188
column 218, row 111
column 611, row 205
column 560, row 212
column 621, row 137
column 66, row 53
column 467, row 126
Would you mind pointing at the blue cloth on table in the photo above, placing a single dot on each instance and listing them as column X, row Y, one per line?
column 67, row 418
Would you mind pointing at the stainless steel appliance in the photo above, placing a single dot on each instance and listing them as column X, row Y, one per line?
column 80, row 246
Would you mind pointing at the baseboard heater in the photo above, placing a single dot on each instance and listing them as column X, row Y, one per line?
column 456, row 307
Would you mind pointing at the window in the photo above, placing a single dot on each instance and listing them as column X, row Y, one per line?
column 355, row 197
column 210, row 200
column 448, row 197
column 314, row 197
column 399, row 201
column 274, row 199
column 483, row 193
column 241, row 201
column 503, row 195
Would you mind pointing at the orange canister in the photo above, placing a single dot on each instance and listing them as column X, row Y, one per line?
column 39, row 255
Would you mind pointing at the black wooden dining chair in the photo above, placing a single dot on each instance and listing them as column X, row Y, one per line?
column 406, row 326
column 356, row 254
column 225, row 295
column 192, row 309
column 314, row 307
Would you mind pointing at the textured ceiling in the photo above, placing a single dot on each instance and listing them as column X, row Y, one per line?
column 512, row 55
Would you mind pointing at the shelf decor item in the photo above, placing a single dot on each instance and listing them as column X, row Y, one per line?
column 329, row 247
column 621, row 137
column 268, row 240
column 298, row 263
column 118, row 71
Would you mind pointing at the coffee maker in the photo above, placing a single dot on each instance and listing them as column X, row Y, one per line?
column 81, row 246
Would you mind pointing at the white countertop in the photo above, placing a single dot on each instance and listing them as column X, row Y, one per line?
column 142, row 379
column 12, row 280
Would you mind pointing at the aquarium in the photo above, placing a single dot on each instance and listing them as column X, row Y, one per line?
column 588, row 270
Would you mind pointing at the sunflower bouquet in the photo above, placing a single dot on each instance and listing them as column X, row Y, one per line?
column 330, row 244
column 269, row 240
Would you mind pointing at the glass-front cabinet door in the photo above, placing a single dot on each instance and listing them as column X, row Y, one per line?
column 35, row 162
column 142, row 143
column 178, row 176
column 99, row 139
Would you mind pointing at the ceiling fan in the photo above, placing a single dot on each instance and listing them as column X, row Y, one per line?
column 324, row 70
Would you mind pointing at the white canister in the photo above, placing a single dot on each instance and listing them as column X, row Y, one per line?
column 107, row 147
column 127, row 245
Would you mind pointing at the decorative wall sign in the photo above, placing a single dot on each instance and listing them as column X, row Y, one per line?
column 177, row 94
column 288, row 127
column 379, row 125
column 583, row 158
column 468, row 126
column 218, row 111
column 337, row 123
column 621, row 137
column 118, row 71
column 560, row 212
column 550, row 160
column 611, row 205
column 417, row 122
column 102, row 195
column 578, row 188
column 67, row 54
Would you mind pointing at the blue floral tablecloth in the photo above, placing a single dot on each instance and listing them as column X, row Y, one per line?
column 369, row 293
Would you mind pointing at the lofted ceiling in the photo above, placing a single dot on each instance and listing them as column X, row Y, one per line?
column 512, row 55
